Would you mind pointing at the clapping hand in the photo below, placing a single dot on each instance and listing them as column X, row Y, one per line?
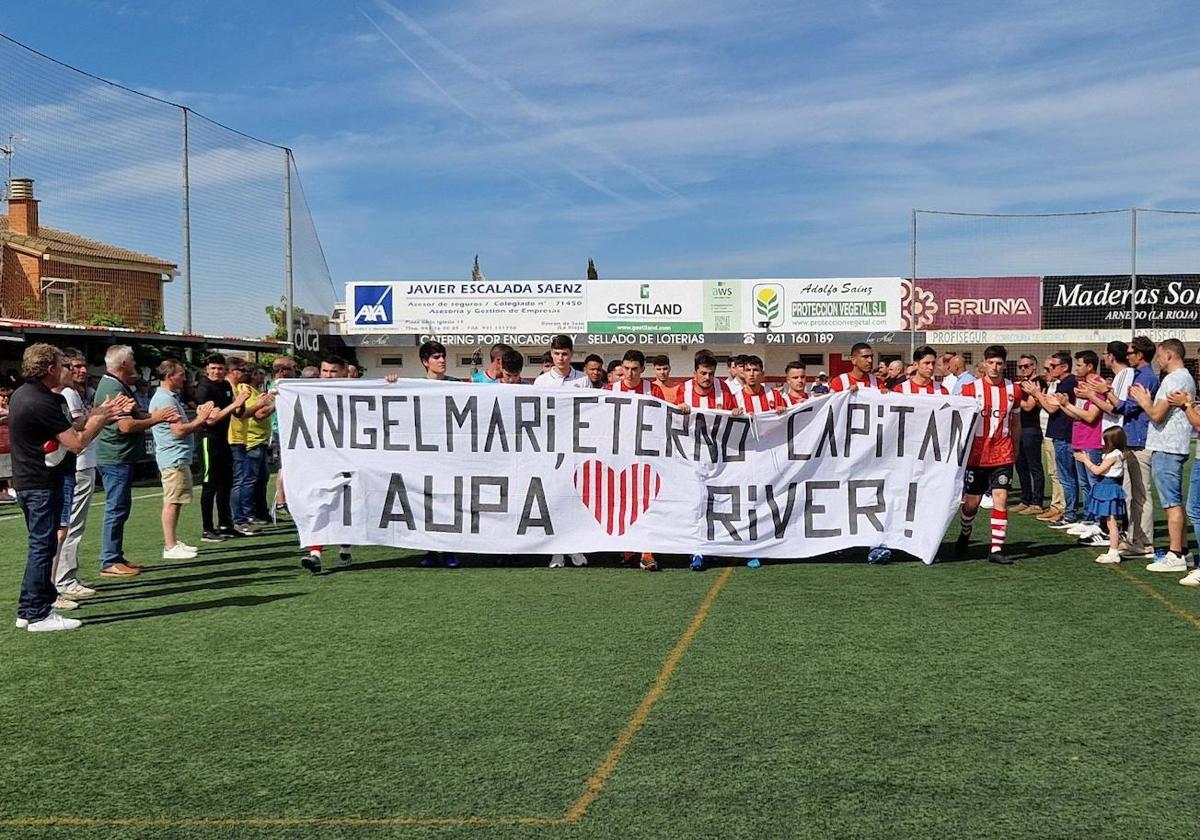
column 1179, row 398
column 1141, row 396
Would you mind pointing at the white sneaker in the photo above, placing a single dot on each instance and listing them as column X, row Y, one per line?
column 188, row 547
column 1192, row 578
column 179, row 551
column 1109, row 557
column 1080, row 529
column 1171, row 562
column 61, row 603
column 578, row 560
column 76, row 590
column 986, row 502
column 53, row 622
column 22, row 623
column 557, row 561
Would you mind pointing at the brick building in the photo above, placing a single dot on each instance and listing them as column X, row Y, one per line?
column 48, row 274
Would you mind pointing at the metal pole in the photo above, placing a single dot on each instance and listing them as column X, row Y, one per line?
column 912, row 298
column 287, row 248
column 1133, row 272
column 187, row 232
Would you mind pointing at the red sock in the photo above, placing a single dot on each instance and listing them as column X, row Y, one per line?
column 999, row 528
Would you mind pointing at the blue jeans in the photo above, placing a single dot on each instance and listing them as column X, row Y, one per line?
column 238, row 451
column 1193, row 504
column 1064, row 462
column 118, row 501
column 1086, row 480
column 42, row 509
column 251, row 470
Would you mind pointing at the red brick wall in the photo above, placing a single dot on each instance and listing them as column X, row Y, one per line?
column 19, row 285
column 133, row 297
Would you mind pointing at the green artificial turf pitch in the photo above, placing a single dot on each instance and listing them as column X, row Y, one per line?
column 1054, row 698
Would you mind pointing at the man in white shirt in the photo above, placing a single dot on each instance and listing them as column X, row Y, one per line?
column 954, row 367
column 1107, row 396
column 66, row 568
column 737, row 375
column 1169, row 439
column 562, row 350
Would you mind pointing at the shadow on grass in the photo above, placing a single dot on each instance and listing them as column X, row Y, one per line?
column 177, row 609
column 167, row 589
column 141, row 583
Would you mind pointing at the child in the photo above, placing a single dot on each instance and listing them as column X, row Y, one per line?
column 1107, row 502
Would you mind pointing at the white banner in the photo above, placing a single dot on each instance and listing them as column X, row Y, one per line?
column 847, row 304
column 457, row 306
column 645, row 306
column 518, row 469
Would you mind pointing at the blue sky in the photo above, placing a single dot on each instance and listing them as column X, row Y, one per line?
column 667, row 138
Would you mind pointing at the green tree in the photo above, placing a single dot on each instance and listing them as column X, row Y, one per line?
column 591, row 274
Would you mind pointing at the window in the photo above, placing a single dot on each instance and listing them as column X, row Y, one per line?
column 816, row 360
column 149, row 311
column 392, row 361
column 56, row 305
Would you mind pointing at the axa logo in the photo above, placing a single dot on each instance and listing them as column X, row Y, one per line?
column 768, row 305
column 373, row 305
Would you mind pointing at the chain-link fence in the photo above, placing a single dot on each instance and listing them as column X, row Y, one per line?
column 147, row 214
column 1059, row 278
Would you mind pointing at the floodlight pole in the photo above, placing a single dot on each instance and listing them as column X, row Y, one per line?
column 287, row 249
column 1133, row 283
column 912, row 298
column 187, row 232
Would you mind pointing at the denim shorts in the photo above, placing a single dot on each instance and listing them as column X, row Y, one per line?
column 1167, row 470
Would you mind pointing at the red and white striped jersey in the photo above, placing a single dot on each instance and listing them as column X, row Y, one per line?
column 765, row 400
column 842, row 382
column 993, row 445
column 909, row 386
column 645, row 386
column 718, row 396
column 786, row 398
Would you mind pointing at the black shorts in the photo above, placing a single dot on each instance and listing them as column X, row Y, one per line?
column 981, row 480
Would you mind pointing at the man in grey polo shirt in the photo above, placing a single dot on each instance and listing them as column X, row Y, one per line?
column 1169, row 439
column 173, row 451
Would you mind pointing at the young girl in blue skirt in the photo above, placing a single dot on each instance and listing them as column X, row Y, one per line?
column 1107, row 502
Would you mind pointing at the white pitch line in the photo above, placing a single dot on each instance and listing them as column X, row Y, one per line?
column 94, row 503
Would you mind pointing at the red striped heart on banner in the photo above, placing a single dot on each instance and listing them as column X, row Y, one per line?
column 616, row 497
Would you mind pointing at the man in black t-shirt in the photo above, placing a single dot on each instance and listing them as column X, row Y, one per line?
column 218, row 458
column 44, row 443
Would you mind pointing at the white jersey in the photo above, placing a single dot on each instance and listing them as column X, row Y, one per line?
column 553, row 377
column 1120, row 391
